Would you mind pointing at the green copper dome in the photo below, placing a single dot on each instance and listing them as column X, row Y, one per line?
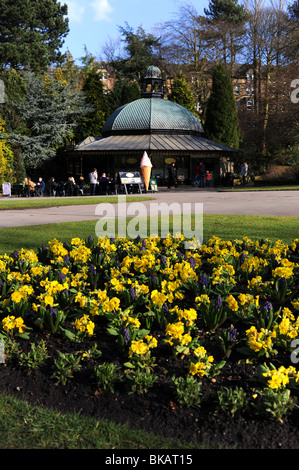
column 152, row 116
column 153, row 72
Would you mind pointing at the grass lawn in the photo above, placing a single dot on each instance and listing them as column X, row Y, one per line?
column 26, row 427
column 263, row 188
column 36, row 203
column 223, row 226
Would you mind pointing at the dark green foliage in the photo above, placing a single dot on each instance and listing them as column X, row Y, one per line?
column 141, row 50
column 222, row 124
column 18, row 165
column 294, row 10
column 94, row 91
column 181, row 93
column 226, row 10
column 123, row 92
column 31, row 33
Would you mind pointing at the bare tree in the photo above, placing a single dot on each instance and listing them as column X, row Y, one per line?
column 185, row 48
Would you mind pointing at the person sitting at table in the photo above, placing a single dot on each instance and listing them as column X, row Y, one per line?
column 29, row 186
column 81, row 185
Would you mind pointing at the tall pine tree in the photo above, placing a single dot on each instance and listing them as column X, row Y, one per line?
column 222, row 123
column 31, row 33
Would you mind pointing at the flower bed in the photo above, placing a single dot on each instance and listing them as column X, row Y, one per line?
column 208, row 332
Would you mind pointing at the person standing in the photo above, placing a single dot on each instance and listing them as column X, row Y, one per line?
column 172, row 176
column 202, row 175
column 244, row 172
column 40, row 187
column 93, row 180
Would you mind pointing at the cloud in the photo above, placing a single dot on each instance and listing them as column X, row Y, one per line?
column 75, row 11
column 102, row 10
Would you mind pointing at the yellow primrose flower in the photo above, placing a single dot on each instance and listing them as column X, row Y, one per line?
column 111, row 305
column 117, row 285
column 188, row 314
column 134, row 322
column 81, row 254
column 202, row 299
column 176, row 330
column 85, row 325
column 285, row 272
column 198, row 368
column 77, row 242
column 200, row 352
column 16, row 297
column 151, row 341
column 158, row 298
column 138, row 347
column 81, row 299
column 232, row 303
column 11, row 322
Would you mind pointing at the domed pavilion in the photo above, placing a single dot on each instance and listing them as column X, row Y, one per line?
column 167, row 131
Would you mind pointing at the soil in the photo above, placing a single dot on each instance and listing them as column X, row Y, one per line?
column 157, row 411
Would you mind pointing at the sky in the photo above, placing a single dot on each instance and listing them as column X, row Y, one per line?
column 93, row 22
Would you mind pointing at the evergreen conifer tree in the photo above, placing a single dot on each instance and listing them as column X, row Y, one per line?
column 222, row 123
column 123, row 92
column 50, row 113
column 31, row 33
column 93, row 90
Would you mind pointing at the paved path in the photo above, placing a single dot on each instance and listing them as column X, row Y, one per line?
column 272, row 203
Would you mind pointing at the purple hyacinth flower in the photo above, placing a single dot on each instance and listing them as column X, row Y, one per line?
column 92, row 270
column 163, row 261
column 53, row 312
column 126, row 336
column 61, row 277
column 203, row 281
column 242, row 257
column 132, row 292
column 282, row 282
column 232, row 333
column 218, row 303
column 267, row 306
column 154, row 280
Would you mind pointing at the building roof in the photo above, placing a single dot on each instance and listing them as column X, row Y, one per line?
column 154, row 142
column 153, row 124
column 152, row 115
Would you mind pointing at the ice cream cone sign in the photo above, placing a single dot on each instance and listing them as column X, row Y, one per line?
column 146, row 168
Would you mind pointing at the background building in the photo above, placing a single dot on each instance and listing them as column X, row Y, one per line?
column 167, row 131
